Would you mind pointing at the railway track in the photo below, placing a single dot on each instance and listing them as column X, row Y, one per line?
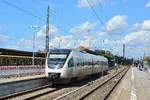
column 96, row 90
column 70, row 92
column 31, row 94
column 105, row 88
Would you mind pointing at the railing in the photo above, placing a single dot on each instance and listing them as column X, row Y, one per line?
column 21, row 71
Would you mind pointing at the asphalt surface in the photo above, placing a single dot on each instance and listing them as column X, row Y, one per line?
column 134, row 86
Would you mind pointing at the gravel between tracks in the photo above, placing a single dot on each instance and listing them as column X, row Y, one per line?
column 99, row 94
column 69, row 88
column 75, row 96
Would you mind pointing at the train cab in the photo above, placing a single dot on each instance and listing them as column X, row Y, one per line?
column 56, row 64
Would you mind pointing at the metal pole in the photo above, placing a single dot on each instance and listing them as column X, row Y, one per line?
column 60, row 40
column 123, row 50
column 89, row 38
column 34, row 38
column 33, row 49
column 47, row 31
column 103, row 46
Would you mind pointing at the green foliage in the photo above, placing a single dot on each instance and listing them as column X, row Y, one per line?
column 107, row 54
column 118, row 59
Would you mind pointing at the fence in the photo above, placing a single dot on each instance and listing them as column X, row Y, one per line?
column 21, row 71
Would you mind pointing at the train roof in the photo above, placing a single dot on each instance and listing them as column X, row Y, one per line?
column 64, row 51
column 67, row 51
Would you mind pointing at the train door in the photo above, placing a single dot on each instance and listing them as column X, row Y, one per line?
column 71, row 68
column 79, row 68
column 92, row 65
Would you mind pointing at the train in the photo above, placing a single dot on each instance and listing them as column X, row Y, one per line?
column 69, row 65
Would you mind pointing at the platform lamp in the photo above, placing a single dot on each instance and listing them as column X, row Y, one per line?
column 34, row 38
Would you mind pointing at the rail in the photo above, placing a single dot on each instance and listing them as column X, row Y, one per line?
column 102, row 82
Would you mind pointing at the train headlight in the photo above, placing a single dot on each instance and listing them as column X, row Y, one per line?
column 59, row 66
column 55, row 66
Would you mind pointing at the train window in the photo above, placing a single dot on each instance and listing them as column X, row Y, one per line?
column 78, row 64
column 71, row 63
column 12, row 61
column 84, row 63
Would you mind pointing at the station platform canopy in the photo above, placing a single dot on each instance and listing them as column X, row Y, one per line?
column 14, row 52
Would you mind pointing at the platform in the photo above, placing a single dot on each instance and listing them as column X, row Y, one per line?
column 10, row 80
column 134, row 86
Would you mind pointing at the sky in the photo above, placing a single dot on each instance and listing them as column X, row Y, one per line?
column 97, row 24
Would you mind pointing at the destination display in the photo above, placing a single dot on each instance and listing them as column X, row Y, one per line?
column 62, row 56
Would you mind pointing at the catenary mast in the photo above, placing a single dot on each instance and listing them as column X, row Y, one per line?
column 47, row 31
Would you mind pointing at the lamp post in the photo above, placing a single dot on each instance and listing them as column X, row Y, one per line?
column 59, row 43
column 89, row 44
column 34, row 38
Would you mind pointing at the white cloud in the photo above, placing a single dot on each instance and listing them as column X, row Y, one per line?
column 141, row 26
column 139, row 37
column 88, row 3
column 137, row 41
column 135, row 27
column 4, row 38
column 116, row 25
column 62, row 42
column 80, row 37
column 42, row 32
column 83, row 28
column 148, row 4
column 25, row 43
column 146, row 25
column 22, row 44
column 55, row 42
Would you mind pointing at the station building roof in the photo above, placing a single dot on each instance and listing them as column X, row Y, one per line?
column 4, row 51
column 147, row 57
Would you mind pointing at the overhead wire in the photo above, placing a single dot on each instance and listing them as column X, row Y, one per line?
column 102, row 9
column 95, row 12
column 21, row 9
column 26, row 12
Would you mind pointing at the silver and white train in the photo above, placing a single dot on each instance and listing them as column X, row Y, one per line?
column 67, row 65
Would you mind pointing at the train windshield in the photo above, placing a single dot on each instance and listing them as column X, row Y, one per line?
column 57, row 58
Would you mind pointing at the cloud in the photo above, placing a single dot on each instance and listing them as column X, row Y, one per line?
column 22, row 44
column 55, row 42
column 4, row 38
column 62, row 42
column 138, row 33
column 116, row 25
column 88, row 3
column 42, row 32
column 138, row 38
column 138, row 41
column 135, row 37
column 83, row 28
column 145, row 25
column 27, row 45
column 85, row 33
column 148, row 4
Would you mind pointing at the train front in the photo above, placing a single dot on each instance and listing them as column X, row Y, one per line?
column 55, row 65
